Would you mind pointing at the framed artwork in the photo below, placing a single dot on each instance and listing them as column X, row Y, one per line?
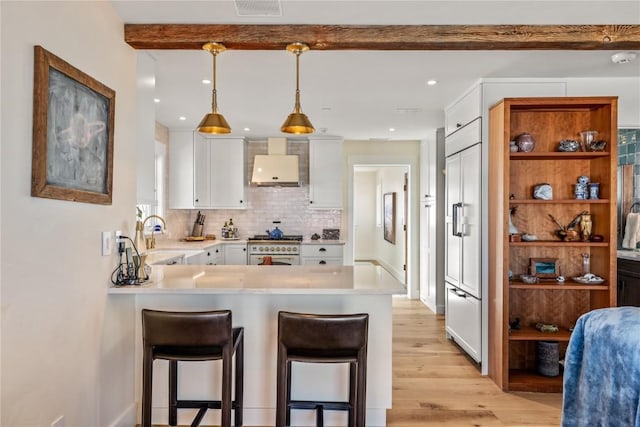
column 73, row 125
column 389, row 223
column 544, row 268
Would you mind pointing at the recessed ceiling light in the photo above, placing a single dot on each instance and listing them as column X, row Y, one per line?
column 392, row 129
column 206, row 81
column 156, row 100
column 326, row 108
column 623, row 57
column 182, row 118
column 431, row 82
column 247, row 129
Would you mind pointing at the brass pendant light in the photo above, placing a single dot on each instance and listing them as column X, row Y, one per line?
column 214, row 122
column 297, row 122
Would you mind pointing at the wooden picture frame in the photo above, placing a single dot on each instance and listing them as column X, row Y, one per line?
column 73, row 126
column 544, row 268
column 389, row 222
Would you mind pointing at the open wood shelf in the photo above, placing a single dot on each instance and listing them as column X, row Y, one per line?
column 512, row 180
column 548, row 243
column 566, row 285
column 528, row 333
column 557, row 201
column 557, row 155
column 525, row 380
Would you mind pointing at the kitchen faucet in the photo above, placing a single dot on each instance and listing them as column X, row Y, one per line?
column 150, row 242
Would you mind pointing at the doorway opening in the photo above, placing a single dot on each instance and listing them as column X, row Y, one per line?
column 380, row 217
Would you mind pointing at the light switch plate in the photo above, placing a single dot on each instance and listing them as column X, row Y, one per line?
column 107, row 243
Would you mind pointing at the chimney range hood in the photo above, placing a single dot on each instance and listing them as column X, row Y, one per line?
column 277, row 168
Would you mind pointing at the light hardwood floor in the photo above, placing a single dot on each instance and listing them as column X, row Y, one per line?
column 435, row 384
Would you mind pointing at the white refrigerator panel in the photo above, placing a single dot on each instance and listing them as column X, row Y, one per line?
column 453, row 242
column 463, row 320
column 470, row 161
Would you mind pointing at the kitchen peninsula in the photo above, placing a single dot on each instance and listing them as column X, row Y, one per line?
column 255, row 294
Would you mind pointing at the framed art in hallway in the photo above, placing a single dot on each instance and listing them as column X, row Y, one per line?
column 389, row 224
column 73, row 125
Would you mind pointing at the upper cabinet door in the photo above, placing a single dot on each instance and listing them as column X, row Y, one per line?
column 181, row 177
column 201, row 171
column 325, row 173
column 219, row 172
column 228, row 173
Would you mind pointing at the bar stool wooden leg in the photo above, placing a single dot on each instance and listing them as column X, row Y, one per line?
column 361, row 391
column 147, row 384
column 239, row 392
column 173, row 392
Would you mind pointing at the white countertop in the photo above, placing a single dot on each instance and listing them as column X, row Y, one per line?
column 629, row 254
column 276, row 279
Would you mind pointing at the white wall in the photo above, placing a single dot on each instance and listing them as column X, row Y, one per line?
column 364, row 214
column 67, row 348
column 392, row 255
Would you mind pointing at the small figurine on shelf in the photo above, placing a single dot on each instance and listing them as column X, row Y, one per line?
column 585, row 227
column 512, row 228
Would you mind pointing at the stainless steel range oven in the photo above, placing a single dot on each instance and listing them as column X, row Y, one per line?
column 265, row 251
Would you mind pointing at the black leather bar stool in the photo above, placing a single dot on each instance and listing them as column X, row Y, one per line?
column 314, row 338
column 192, row 336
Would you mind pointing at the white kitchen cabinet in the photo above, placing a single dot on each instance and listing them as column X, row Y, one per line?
column 320, row 254
column 325, row 173
column 463, row 111
column 462, row 321
column 463, row 225
column 235, row 254
column 214, row 255
column 431, row 273
column 219, row 178
column 181, row 169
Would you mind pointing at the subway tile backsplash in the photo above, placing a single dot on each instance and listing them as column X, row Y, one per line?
column 290, row 205
column 629, row 154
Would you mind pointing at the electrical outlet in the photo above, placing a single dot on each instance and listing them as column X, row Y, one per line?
column 107, row 243
column 59, row 422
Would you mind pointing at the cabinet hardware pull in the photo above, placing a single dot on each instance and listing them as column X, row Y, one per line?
column 322, row 250
column 322, row 262
column 456, row 217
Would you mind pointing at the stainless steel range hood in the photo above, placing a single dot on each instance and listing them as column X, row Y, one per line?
column 277, row 168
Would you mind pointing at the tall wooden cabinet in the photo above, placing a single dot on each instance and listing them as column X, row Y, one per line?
column 512, row 177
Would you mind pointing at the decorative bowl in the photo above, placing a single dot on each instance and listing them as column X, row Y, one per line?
column 526, row 278
column 568, row 145
column 598, row 145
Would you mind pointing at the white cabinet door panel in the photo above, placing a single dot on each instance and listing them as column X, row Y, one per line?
column 453, row 243
column 470, row 160
column 463, row 320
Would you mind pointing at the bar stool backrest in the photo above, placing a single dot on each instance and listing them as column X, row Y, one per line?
column 206, row 328
column 323, row 335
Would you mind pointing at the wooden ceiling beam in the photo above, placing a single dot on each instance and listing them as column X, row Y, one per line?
column 386, row 37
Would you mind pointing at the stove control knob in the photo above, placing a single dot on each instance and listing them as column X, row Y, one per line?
column 295, row 249
column 289, row 249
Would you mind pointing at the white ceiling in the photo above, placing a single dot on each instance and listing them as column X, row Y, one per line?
column 360, row 94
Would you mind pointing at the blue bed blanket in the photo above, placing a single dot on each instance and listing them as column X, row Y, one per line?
column 602, row 370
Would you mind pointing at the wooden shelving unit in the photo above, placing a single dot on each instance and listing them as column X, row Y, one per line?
column 512, row 177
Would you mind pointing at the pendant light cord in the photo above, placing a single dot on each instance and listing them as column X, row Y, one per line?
column 214, row 97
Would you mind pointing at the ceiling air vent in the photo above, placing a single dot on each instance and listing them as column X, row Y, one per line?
column 258, row 7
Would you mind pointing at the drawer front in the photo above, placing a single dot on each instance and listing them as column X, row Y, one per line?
column 321, row 261
column 469, row 135
column 463, row 320
column 465, row 110
column 321, row 251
